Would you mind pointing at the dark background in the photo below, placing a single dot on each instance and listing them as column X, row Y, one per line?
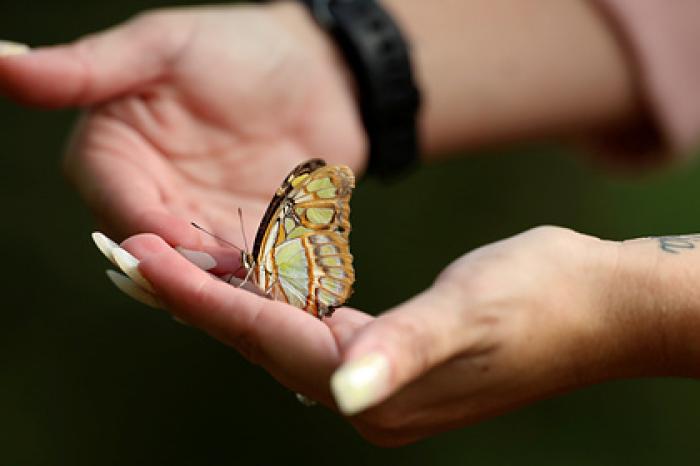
column 89, row 377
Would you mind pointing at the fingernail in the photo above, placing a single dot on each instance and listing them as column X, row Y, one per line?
column 132, row 290
column 8, row 48
column 105, row 245
column 130, row 266
column 199, row 258
column 360, row 383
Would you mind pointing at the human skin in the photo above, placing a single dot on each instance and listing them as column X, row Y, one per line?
column 529, row 317
column 166, row 140
column 494, row 71
column 193, row 113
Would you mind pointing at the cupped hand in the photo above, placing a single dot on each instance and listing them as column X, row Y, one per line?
column 507, row 324
column 192, row 113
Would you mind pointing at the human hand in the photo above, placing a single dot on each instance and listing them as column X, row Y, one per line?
column 194, row 113
column 507, row 324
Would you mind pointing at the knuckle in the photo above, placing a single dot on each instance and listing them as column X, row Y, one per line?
column 552, row 234
column 477, row 283
column 159, row 30
column 556, row 244
column 149, row 240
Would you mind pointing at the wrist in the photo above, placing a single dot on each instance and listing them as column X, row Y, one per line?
column 495, row 72
column 336, row 77
column 295, row 18
column 661, row 304
column 596, row 314
column 591, row 316
column 376, row 52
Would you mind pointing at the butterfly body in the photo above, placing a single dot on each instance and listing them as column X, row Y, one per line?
column 301, row 252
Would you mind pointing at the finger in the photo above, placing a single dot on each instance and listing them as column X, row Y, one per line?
column 97, row 67
column 133, row 284
column 399, row 346
column 345, row 323
column 295, row 347
column 143, row 245
column 217, row 260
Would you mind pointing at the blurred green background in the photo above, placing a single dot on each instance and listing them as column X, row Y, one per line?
column 89, row 377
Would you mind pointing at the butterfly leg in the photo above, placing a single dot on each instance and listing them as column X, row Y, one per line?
column 269, row 289
column 247, row 277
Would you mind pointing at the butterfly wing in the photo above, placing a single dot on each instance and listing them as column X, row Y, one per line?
column 322, row 199
column 281, row 197
column 314, row 272
column 301, row 250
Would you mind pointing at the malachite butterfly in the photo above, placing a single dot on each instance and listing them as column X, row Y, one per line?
column 301, row 254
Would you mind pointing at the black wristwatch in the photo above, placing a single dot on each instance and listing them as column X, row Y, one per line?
column 378, row 56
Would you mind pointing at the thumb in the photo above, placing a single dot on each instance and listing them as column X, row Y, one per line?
column 95, row 68
column 397, row 347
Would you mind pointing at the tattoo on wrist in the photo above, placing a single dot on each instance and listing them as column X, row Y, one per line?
column 677, row 243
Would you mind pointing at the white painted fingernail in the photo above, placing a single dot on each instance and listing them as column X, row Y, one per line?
column 199, row 258
column 132, row 290
column 105, row 245
column 9, row 48
column 130, row 266
column 360, row 383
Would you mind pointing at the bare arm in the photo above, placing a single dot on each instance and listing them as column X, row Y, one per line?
column 526, row 318
column 658, row 280
column 492, row 71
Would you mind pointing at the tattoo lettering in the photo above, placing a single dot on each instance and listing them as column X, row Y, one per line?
column 677, row 243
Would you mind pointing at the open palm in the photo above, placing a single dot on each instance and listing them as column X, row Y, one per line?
column 194, row 113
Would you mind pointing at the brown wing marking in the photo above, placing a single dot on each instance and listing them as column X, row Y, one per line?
column 332, row 274
column 322, row 201
column 282, row 193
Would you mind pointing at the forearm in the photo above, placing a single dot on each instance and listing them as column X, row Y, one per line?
column 492, row 71
column 658, row 282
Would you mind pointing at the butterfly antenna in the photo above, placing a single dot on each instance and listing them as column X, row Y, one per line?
column 217, row 237
column 245, row 240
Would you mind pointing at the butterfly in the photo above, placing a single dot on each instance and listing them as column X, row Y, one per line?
column 301, row 253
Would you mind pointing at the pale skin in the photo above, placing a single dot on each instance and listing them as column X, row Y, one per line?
column 178, row 129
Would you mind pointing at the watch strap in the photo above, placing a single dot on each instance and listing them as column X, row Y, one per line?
column 379, row 58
